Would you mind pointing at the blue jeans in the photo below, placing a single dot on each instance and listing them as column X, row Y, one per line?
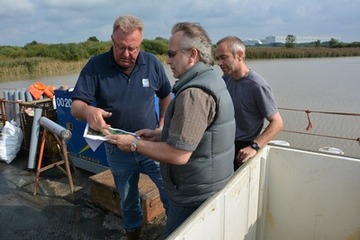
column 126, row 168
column 176, row 215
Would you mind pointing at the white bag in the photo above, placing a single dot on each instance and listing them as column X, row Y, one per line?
column 10, row 141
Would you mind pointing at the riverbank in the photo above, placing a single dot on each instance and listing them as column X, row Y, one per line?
column 12, row 69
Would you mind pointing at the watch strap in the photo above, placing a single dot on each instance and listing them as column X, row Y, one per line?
column 134, row 143
column 255, row 146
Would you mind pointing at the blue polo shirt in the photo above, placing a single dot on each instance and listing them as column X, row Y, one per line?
column 129, row 98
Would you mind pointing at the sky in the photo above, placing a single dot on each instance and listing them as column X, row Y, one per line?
column 74, row 21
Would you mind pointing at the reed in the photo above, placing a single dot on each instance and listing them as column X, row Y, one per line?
column 16, row 68
column 299, row 52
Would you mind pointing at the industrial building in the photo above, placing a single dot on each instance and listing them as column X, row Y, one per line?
column 282, row 39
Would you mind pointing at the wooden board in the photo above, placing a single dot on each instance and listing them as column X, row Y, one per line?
column 104, row 194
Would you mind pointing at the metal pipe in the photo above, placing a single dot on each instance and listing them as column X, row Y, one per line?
column 34, row 137
column 55, row 128
column 29, row 98
column 16, row 106
column 23, row 95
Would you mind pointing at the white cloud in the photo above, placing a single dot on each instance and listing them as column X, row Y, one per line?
column 53, row 21
column 10, row 8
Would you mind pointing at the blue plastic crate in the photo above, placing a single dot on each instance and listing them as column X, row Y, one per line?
column 79, row 151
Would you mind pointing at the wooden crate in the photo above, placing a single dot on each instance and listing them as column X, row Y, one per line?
column 104, row 194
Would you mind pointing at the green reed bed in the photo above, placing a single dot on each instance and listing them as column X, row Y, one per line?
column 14, row 68
column 304, row 52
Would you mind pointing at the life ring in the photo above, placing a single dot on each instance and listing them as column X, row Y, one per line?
column 332, row 150
column 279, row 142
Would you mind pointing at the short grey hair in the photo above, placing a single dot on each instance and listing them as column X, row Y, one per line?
column 195, row 36
column 127, row 24
column 234, row 44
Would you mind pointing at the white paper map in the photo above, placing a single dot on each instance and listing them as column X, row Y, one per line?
column 95, row 138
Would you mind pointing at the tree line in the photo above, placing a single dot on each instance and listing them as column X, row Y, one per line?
column 158, row 46
column 74, row 51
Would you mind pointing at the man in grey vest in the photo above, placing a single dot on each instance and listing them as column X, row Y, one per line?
column 196, row 146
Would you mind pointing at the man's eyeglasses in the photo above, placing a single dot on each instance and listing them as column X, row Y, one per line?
column 172, row 53
column 122, row 49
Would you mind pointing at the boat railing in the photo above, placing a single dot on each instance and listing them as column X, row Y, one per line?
column 317, row 124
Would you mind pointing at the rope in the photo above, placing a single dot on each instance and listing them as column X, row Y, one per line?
column 321, row 135
column 323, row 112
column 310, row 124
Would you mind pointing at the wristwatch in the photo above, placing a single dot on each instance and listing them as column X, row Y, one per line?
column 134, row 143
column 255, row 146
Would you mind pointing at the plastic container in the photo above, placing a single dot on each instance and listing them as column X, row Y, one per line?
column 283, row 193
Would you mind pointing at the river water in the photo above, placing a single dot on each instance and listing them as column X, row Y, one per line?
column 323, row 86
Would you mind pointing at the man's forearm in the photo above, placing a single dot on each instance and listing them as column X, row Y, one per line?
column 275, row 125
column 78, row 109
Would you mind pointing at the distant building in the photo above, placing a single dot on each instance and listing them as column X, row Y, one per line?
column 299, row 39
column 252, row 42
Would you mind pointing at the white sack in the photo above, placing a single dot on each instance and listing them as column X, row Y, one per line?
column 10, row 141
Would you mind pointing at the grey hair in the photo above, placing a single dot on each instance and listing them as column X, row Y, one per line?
column 127, row 24
column 195, row 36
column 234, row 44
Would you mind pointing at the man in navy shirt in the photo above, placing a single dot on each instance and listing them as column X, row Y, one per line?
column 122, row 84
column 252, row 97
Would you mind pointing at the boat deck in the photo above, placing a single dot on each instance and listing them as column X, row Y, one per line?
column 55, row 213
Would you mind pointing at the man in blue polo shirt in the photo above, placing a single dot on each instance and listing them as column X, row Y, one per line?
column 122, row 83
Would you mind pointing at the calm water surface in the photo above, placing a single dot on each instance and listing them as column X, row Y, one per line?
column 318, row 85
